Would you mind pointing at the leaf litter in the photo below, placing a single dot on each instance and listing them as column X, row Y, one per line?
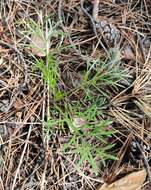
column 133, row 181
column 37, row 120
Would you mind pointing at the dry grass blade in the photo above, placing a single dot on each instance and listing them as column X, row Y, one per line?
column 131, row 108
column 142, row 90
column 142, row 84
column 21, row 158
column 128, row 122
column 145, row 105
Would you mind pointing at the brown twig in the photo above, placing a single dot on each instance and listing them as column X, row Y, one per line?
column 1, row 184
column 146, row 164
column 93, row 24
column 95, row 9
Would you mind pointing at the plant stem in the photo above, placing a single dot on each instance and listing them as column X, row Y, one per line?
column 95, row 9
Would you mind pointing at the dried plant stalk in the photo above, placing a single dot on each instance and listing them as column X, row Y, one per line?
column 95, row 9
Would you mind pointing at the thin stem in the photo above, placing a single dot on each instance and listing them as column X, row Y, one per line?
column 95, row 9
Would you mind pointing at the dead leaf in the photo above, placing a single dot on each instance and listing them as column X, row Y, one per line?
column 128, row 53
column 18, row 104
column 79, row 122
column 38, row 46
column 133, row 181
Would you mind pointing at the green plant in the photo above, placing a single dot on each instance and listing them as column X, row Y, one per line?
column 41, row 35
column 88, row 141
column 50, row 75
column 99, row 75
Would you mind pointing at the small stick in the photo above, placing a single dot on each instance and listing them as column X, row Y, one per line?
column 142, row 151
column 95, row 9
column 93, row 25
